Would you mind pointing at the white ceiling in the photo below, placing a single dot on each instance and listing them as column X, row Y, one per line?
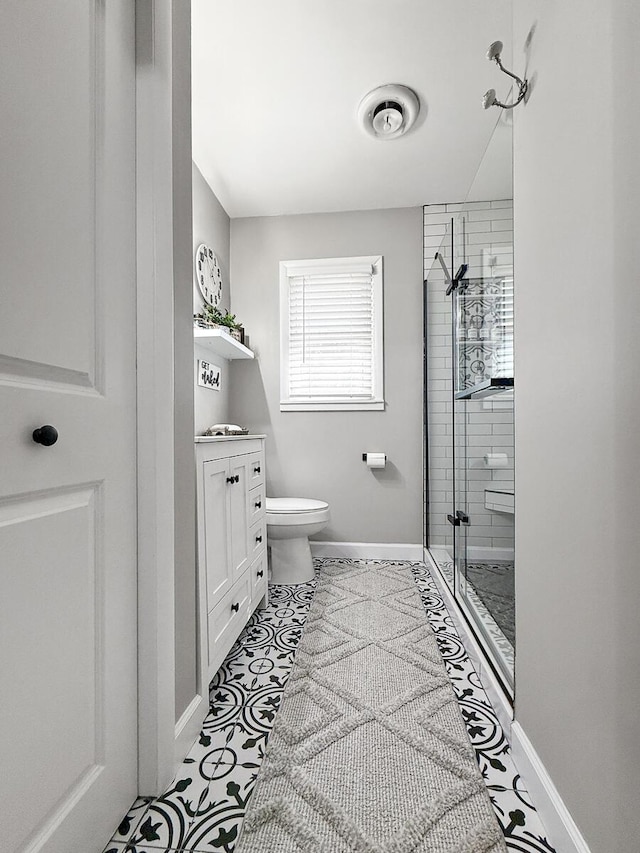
column 276, row 88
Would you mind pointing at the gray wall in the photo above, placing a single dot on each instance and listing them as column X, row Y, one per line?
column 199, row 218
column 319, row 454
column 184, row 473
column 578, row 407
column 210, row 226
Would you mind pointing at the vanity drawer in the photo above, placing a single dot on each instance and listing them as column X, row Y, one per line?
column 227, row 619
column 256, row 469
column 257, row 538
column 257, row 503
column 259, row 578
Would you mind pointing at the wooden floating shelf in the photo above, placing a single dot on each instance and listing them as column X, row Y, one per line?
column 221, row 343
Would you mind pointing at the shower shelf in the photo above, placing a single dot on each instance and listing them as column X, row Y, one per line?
column 486, row 388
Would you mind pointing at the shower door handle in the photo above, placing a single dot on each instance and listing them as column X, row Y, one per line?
column 453, row 519
column 462, row 516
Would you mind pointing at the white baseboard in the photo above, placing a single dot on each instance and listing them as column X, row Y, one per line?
column 189, row 725
column 499, row 700
column 563, row 833
column 366, row 550
column 480, row 553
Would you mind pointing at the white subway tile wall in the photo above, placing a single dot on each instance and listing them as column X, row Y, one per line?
column 488, row 424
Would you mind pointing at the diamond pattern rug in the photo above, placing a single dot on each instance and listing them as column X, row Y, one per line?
column 369, row 752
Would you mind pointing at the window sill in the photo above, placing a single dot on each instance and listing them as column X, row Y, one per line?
column 368, row 406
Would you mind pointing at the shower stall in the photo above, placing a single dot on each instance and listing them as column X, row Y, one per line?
column 469, row 405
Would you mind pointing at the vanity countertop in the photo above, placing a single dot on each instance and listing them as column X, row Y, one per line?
column 205, row 438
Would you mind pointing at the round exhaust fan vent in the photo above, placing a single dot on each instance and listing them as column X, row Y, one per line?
column 389, row 111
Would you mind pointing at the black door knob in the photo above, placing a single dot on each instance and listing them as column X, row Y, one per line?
column 258, row 538
column 259, row 574
column 235, row 607
column 256, row 470
column 46, row 435
column 230, row 480
column 237, row 478
column 258, row 504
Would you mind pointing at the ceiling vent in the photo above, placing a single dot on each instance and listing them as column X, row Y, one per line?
column 389, row 111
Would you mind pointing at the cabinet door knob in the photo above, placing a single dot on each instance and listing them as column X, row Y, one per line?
column 259, row 574
column 258, row 538
column 230, row 480
column 258, row 504
column 256, row 470
column 237, row 478
column 235, row 607
column 46, row 435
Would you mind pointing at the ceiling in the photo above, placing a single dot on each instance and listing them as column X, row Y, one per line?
column 276, row 88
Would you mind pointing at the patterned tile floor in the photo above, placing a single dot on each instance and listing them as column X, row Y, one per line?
column 205, row 805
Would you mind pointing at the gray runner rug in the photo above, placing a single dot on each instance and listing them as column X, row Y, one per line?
column 369, row 752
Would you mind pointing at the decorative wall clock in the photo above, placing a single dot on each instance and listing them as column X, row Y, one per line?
column 208, row 275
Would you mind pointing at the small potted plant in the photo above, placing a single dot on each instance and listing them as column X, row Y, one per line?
column 211, row 317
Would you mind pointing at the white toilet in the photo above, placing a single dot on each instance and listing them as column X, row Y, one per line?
column 290, row 522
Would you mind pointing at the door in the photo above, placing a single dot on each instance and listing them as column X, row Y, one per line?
column 217, row 483
column 68, row 715
column 239, row 514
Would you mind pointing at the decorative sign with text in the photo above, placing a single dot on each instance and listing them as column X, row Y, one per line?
column 208, row 375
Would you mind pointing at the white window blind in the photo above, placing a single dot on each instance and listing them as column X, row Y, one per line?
column 332, row 334
column 504, row 325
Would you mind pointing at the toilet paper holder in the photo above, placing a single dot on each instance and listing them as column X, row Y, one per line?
column 380, row 461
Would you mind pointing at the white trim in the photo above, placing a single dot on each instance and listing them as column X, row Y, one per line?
column 154, row 223
column 498, row 698
column 562, row 831
column 336, row 406
column 366, row 550
column 189, row 725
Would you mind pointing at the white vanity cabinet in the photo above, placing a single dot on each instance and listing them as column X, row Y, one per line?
column 232, row 539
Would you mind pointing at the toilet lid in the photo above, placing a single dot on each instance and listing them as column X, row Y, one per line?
column 285, row 505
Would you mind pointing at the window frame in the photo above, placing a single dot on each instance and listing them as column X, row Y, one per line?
column 319, row 266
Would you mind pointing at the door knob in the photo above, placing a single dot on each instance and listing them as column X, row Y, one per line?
column 256, row 470
column 235, row 607
column 230, row 480
column 237, row 478
column 258, row 504
column 46, row 435
column 258, row 538
column 259, row 574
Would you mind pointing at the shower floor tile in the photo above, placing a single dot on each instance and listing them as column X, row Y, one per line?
column 204, row 808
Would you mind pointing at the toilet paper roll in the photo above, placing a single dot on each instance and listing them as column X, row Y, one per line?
column 376, row 460
column 496, row 460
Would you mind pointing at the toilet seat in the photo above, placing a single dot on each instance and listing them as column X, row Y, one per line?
column 295, row 505
column 292, row 511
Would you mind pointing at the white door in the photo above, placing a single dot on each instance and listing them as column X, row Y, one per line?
column 67, row 358
column 216, row 530
column 239, row 515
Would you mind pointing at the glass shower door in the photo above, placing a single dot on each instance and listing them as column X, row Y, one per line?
column 483, row 440
column 439, row 492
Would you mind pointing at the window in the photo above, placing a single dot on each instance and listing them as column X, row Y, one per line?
column 331, row 334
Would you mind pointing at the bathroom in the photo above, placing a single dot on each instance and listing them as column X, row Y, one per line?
column 510, row 513
column 319, row 454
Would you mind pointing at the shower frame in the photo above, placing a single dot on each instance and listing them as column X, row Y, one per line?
column 458, row 516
